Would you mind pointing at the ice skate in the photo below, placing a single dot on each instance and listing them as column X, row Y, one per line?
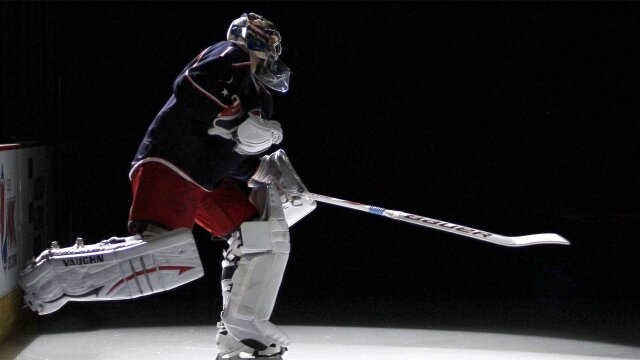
column 230, row 348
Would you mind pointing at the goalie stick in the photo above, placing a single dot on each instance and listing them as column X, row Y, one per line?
column 535, row 239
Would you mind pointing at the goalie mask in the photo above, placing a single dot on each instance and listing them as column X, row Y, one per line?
column 258, row 35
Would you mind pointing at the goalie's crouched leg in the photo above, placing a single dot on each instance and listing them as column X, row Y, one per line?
column 253, row 268
column 116, row 268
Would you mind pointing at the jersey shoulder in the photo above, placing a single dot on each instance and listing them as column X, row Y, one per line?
column 225, row 51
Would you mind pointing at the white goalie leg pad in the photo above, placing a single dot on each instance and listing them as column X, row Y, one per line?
column 117, row 268
column 259, row 258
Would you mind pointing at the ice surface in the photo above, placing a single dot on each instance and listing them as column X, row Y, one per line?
column 308, row 343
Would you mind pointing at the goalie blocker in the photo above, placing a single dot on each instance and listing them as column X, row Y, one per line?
column 114, row 269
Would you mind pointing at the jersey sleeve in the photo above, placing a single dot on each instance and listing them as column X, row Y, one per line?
column 206, row 85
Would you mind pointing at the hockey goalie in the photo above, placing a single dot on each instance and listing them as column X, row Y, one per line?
column 207, row 158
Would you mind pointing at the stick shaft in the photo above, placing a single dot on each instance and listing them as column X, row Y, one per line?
column 535, row 239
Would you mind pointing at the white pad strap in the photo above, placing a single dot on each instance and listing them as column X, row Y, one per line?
column 117, row 268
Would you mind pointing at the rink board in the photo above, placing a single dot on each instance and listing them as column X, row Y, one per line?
column 25, row 200
column 10, row 312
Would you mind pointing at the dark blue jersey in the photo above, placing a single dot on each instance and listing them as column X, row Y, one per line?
column 216, row 85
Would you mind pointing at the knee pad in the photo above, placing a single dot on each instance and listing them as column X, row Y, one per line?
column 117, row 268
column 252, row 273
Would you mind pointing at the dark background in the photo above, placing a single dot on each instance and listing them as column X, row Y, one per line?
column 515, row 118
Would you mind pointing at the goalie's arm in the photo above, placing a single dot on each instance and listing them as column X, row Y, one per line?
column 206, row 87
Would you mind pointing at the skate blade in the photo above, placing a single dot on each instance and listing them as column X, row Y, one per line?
column 277, row 356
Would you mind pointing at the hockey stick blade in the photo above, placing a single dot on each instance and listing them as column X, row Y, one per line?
column 516, row 241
